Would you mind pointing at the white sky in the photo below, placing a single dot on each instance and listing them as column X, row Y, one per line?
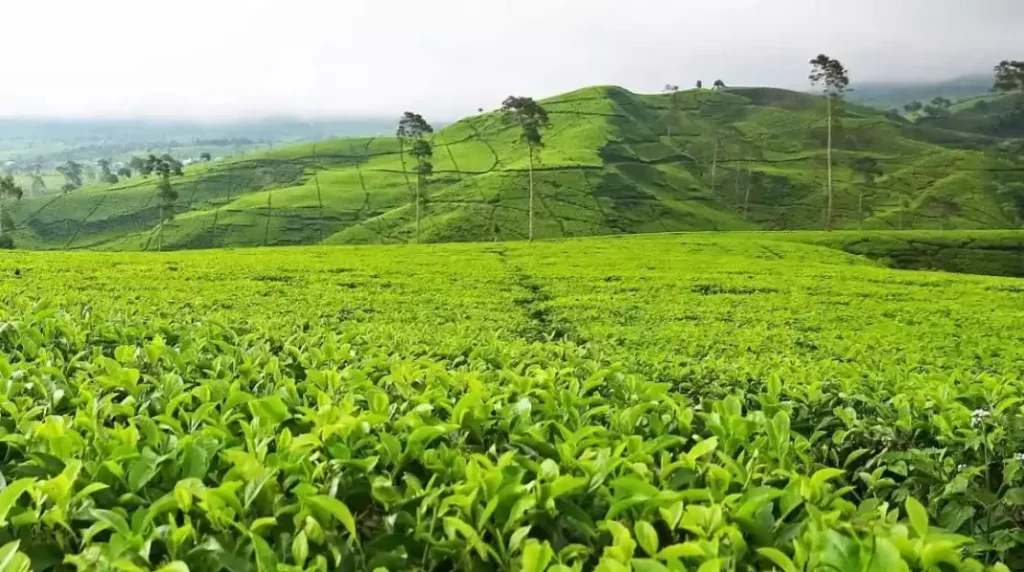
column 445, row 58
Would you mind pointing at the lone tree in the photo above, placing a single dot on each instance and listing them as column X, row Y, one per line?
column 205, row 157
column 125, row 172
column 8, row 190
column 166, row 195
column 719, row 84
column 72, row 172
column 913, row 106
column 700, row 84
column 531, row 119
column 868, row 169
column 414, row 129
column 673, row 103
column 830, row 75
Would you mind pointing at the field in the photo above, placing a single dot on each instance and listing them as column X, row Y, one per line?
column 677, row 402
column 613, row 162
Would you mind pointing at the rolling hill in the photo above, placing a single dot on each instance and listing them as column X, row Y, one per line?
column 613, row 162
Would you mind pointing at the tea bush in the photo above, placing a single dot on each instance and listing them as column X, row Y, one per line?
column 649, row 404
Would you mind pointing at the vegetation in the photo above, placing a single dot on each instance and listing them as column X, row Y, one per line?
column 830, row 75
column 695, row 402
column 412, row 130
column 737, row 159
column 531, row 118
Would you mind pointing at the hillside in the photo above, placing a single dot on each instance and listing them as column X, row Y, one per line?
column 745, row 158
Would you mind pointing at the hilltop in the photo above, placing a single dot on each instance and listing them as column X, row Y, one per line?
column 613, row 162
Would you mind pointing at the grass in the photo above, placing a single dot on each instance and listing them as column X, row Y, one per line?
column 738, row 159
column 695, row 401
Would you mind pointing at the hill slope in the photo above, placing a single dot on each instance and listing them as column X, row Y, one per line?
column 613, row 162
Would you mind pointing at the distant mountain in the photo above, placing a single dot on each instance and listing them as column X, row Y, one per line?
column 613, row 162
column 885, row 95
column 46, row 142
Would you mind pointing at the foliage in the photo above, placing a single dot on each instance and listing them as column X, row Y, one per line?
column 71, row 171
column 696, row 403
column 830, row 75
column 607, row 169
column 1010, row 76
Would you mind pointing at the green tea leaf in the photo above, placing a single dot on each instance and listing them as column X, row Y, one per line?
column 337, row 509
column 918, row 516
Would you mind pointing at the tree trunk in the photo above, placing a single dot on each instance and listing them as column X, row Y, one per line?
column 860, row 210
column 828, row 209
column 531, row 192
column 746, row 196
column 714, row 165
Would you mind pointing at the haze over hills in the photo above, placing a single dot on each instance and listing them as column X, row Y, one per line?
column 887, row 94
column 613, row 162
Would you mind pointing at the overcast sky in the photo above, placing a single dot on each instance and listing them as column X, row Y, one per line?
column 445, row 58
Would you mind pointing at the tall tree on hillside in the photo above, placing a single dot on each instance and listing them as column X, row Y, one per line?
column 166, row 195
column 868, row 169
column 673, row 106
column 413, row 129
column 531, row 119
column 125, row 172
column 205, row 157
column 8, row 190
column 72, row 173
column 719, row 84
column 831, row 76
column 700, row 84
column 913, row 106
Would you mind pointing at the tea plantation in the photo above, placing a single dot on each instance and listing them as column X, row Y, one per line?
column 674, row 402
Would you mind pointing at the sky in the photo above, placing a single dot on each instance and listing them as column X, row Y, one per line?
column 232, row 59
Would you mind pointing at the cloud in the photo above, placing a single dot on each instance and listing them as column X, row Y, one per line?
column 236, row 58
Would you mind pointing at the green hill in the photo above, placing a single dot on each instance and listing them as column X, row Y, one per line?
column 745, row 158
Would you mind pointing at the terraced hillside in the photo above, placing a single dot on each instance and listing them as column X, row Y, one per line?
column 613, row 162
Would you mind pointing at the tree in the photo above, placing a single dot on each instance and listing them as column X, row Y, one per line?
column 124, row 172
column 942, row 102
column 531, row 119
column 139, row 165
column 8, row 190
column 673, row 99
column 700, row 84
column 176, row 166
column 913, row 106
column 72, row 172
column 413, row 128
column 106, row 175
column 868, row 169
column 1009, row 77
column 38, row 184
column 719, row 84
column 205, row 157
column 831, row 76
column 166, row 195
